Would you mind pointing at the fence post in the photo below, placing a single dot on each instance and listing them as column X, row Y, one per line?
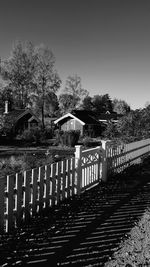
column 104, row 160
column 100, row 162
column 78, row 155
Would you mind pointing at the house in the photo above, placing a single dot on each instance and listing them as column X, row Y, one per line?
column 20, row 119
column 82, row 120
column 86, row 121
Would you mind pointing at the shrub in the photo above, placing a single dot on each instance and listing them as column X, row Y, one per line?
column 111, row 131
column 68, row 138
column 48, row 133
column 24, row 162
column 34, row 160
column 135, row 250
column 6, row 128
column 90, row 142
column 36, row 135
column 10, row 166
column 27, row 136
column 87, row 141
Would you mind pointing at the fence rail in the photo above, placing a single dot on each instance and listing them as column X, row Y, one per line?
column 121, row 156
column 23, row 195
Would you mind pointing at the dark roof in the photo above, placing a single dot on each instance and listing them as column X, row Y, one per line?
column 88, row 117
column 16, row 114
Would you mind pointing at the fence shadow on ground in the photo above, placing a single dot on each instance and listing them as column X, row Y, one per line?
column 85, row 230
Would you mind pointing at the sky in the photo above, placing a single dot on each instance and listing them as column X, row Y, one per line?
column 105, row 42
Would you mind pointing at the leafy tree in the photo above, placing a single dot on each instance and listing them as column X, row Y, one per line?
column 18, row 72
column 66, row 103
column 6, row 126
column 51, row 104
column 87, row 103
column 6, row 94
column 133, row 126
column 74, row 92
column 111, row 131
column 101, row 104
column 145, row 122
column 46, row 78
column 31, row 75
column 74, row 87
column 120, row 106
column 130, row 126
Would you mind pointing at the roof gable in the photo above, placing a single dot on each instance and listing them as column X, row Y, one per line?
column 68, row 115
column 17, row 114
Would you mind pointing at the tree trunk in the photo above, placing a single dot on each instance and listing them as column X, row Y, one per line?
column 43, row 123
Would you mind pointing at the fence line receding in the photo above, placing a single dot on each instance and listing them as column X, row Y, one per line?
column 23, row 195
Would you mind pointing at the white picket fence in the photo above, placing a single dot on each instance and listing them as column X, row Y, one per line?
column 26, row 194
column 118, row 157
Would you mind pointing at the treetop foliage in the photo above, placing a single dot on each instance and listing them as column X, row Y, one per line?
column 133, row 126
column 30, row 75
column 73, row 94
column 120, row 106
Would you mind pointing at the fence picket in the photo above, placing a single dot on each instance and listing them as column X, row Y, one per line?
column 27, row 193
column 53, row 183
column 2, row 201
column 19, row 181
column 34, row 185
column 41, row 187
column 68, row 178
column 64, row 180
column 47, row 178
column 10, row 201
column 58, row 181
column 73, row 176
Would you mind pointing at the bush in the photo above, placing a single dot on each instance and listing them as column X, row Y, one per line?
column 68, row 138
column 111, row 131
column 35, row 135
column 135, row 250
column 24, row 162
column 87, row 141
column 6, row 129
column 27, row 136
column 10, row 166
column 48, row 133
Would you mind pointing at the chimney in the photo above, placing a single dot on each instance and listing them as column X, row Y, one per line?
column 6, row 107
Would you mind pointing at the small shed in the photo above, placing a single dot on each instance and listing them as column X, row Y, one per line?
column 21, row 119
column 81, row 120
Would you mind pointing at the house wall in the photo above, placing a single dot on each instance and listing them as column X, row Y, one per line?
column 23, row 123
column 32, row 124
column 72, row 124
column 93, row 130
